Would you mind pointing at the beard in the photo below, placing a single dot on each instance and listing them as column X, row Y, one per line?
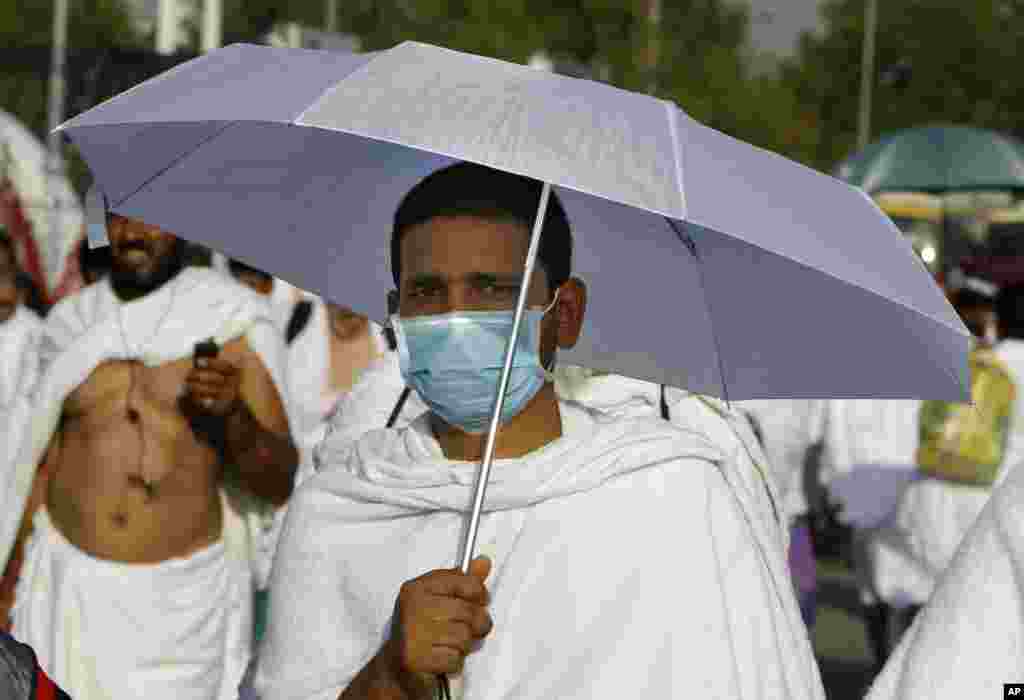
column 129, row 283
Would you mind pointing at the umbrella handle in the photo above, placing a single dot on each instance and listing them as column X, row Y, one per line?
column 488, row 457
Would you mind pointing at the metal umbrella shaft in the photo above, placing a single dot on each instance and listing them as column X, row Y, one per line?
column 488, row 457
column 480, row 489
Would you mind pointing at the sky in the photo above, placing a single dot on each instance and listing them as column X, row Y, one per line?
column 776, row 24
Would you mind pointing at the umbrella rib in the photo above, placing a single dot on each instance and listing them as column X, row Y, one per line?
column 174, row 162
column 691, row 245
column 671, row 111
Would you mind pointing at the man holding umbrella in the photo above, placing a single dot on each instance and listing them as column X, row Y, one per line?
column 624, row 558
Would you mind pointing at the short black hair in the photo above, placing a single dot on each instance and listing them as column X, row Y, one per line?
column 240, row 268
column 469, row 189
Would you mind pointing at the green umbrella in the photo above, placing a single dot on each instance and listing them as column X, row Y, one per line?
column 937, row 159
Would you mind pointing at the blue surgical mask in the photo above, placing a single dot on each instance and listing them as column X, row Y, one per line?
column 454, row 362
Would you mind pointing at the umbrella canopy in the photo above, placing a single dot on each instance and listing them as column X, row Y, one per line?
column 711, row 265
column 937, row 159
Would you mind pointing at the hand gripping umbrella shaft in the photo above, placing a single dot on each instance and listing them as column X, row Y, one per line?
column 510, row 351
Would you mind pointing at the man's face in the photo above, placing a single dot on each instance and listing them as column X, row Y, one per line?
column 143, row 257
column 9, row 295
column 466, row 263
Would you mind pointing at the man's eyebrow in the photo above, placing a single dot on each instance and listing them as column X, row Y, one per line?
column 492, row 277
column 424, row 280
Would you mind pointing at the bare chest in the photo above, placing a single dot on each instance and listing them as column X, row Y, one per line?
column 115, row 382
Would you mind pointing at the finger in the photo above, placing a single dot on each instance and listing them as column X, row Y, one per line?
column 205, row 397
column 480, row 568
column 473, row 617
column 207, row 375
column 442, row 659
column 205, row 387
column 215, row 364
column 453, row 583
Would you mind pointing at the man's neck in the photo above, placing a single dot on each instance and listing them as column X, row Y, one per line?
column 537, row 425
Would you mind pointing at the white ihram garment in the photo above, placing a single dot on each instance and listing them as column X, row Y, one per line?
column 19, row 372
column 628, row 562
column 969, row 639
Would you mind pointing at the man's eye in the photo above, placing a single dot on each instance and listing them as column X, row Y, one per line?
column 499, row 289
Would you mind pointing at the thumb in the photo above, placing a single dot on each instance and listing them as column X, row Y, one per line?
column 480, row 568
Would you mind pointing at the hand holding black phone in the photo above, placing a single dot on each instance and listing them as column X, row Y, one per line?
column 206, row 349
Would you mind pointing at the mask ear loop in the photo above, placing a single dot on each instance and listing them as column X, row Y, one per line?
column 549, row 371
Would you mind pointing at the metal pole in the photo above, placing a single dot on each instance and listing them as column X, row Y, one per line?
column 331, row 15
column 167, row 26
column 213, row 19
column 485, row 466
column 55, row 169
column 654, row 20
column 867, row 74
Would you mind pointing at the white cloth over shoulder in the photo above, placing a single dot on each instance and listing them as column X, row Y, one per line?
column 969, row 639
column 85, row 330
column 19, row 372
column 627, row 563
column 726, row 428
column 180, row 629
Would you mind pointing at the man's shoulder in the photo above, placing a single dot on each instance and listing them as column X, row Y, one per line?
column 24, row 323
column 207, row 280
column 644, row 441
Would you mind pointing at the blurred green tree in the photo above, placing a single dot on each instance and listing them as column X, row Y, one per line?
column 26, row 31
column 937, row 61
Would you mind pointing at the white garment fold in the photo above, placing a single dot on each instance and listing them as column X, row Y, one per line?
column 723, row 425
column 19, row 372
column 915, row 542
column 789, row 427
column 19, row 341
column 1011, row 352
column 84, row 330
column 969, row 639
column 628, row 562
column 912, row 549
column 861, row 432
column 103, row 630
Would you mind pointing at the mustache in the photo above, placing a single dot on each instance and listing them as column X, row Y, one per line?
column 133, row 245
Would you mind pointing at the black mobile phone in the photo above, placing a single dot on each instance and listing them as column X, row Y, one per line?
column 207, row 348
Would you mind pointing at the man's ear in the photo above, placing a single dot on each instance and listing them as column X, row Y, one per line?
column 571, row 309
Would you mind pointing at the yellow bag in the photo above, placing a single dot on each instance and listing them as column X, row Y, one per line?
column 965, row 443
